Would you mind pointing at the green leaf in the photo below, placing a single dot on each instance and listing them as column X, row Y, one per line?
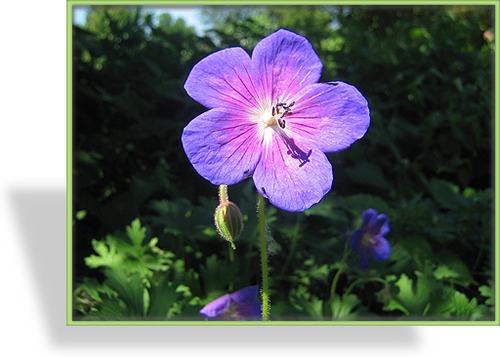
column 181, row 218
column 111, row 308
column 217, row 274
column 108, row 254
column 453, row 270
column 130, row 289
column 394, row 305
column 162, row 297
column 344, row 307
column 81, row 215
column 419, row 251
column 414, row 296
column 184, row 290
column 136, row 232
column 487, row 292
column 462, row 307
column 303, row 300
column 443, row 272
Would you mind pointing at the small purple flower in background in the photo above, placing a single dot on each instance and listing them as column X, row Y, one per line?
column 368, row 240
column 240, row 305
column 270, row 119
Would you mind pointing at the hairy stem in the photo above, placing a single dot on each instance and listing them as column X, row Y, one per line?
column 263, row 258
column 223, row 197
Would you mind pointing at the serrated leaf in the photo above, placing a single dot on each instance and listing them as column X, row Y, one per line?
column 394, row 305
column 486, row 292
column 315, row 307
column 445, row 272
column 463, row 307
column 344, row 307
column 303, row 300
column 217, row 274
column 423, row 296
column 454, row 270
column 319, row 272
column 108, row 254
column 413, row 295
column 130, row 289
column 183, row 218
column 162, row 297
column 136, row 232
column 184, row 290
column 112, row 308
column 419, row 250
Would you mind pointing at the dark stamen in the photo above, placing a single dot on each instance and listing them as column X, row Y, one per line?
column 287, row 110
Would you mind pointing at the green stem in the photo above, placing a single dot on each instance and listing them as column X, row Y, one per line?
column 348, row 290
column 231, row 261
column 231, row 253
column 223, row 196
column 342, row 265
column 263, row 258
column 333, row 288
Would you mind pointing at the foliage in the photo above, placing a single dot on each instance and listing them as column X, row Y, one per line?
column 425, row 162
column 141, row 280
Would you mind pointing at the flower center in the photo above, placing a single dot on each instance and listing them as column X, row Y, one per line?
column 367, row 241
column 276, row 115
column 274, row 123
column 268, row 119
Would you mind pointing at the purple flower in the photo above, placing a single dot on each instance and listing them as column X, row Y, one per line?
column 240, row 305
column 368, row 240
column 270, row 119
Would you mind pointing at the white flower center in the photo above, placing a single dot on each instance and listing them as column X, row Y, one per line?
column 276, row 114
column 272, row 124
column 268, row 118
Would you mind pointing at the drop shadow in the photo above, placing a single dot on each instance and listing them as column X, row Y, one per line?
column 41, row 216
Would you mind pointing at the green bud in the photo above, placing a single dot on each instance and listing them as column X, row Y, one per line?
column 229, row 221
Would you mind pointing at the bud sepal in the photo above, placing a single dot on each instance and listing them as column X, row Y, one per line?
column 228, row 218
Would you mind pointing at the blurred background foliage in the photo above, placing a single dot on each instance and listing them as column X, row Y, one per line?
column 144, row 242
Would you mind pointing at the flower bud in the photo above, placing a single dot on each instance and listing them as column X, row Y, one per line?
column 229, row 221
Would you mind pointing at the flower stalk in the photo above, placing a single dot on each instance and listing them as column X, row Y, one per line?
column 223, row 195
column 339, row 272
column 263, row 258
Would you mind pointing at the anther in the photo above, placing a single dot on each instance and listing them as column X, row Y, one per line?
column 286, row 110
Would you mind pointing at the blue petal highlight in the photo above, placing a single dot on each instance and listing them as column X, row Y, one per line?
column 241, row 305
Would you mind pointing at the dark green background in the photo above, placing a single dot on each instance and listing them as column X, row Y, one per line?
column 426, row 161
